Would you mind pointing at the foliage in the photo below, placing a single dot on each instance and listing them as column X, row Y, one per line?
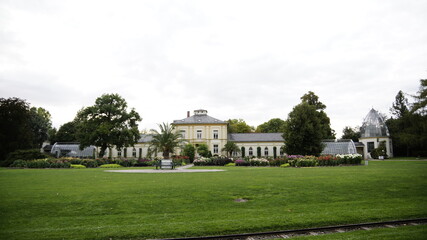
column 285, row 165
column 307, row 161
column 111, row 166
column 238, row 126
column 381, row 150
column 20, row 126
column 275, row 125
column 19, row 164
column 189, row 151
column 230, row 147
column 203, row 150
column 408, row 126
column 77, row 166
column 107, row 124
column 144, row 162
column 202, row 161
column 420, row 105
column 230, row 164
column 166, row 140
column 303, row 133
column 220, row 161
column 180, row 160
column 278, row 161
column 351, row 133
column 241, row 162
column 28, row 154
column 67, row 132
column 258, row 162
column 48, row 163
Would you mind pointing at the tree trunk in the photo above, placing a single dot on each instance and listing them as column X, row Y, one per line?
column 102, row 151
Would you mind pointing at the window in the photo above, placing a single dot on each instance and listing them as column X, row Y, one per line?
column 119, row 152
column 182, row 133
column 140, row 153
column 251, row 151
column 134, row 152
column 266, row 151
column 215, row 148
column 199, row 134
column 215, row 134
column 371, row 146
column 125, row 154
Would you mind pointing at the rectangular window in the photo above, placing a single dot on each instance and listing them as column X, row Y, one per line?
column 182, row 133
column 199, row 134
column 119, row 152
column 371, row 146
column 215, row 149
column 215, row 134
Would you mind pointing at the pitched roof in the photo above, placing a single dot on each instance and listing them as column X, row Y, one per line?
column 199, row 119
column 255, row 137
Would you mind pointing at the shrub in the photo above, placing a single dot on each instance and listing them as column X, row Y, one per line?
column 353, row 159
column 77, row 166
column 19, row 164
column 328, row 160
column 202, row 161
column 48, row 163
column 89, row 163
column 230, row 165
column 220, row 161
column 241, row 162
column 144, row 162
column 27, row 154
column 111, row 166
column 307, row 161
column 286, row 165
column 278, row 161
column 258, row 162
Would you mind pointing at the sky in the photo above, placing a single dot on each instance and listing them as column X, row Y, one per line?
column 250, row 60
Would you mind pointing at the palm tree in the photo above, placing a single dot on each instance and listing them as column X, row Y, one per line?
column 230, row 147
column 165, row 141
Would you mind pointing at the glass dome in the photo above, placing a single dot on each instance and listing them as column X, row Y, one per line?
column 373, row 126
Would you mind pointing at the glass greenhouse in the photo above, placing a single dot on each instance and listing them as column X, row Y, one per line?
column 345, row 146
column 72, row 150
column 373, row 126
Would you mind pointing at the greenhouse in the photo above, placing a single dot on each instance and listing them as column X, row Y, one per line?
column 334, row 147
column 373, row 126
column 72, row 150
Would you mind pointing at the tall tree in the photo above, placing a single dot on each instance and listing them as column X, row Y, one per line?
column 203, row 150
column 238, row 126
column 189, row 151
column 230, row 147
column 421, row 99
column 40, row 124
column 351, row 133
column 67, row 132
column 275, row 125
column 312, row 99
column 400, row 105
column 166, row 140
column 107, row 124
column 303, row 132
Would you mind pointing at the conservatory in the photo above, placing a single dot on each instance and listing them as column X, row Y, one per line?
column 342, row 146
column 72, row 150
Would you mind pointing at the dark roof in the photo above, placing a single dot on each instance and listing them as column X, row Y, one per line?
column 359, row 144
column 255, row 137
column 145, row 138
column 199, row 119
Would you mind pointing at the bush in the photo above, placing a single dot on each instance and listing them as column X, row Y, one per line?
column 19, row 164
column 353, row 159
column 144, row 162
column 89, row 163
column 220, row 161
column 111, row 166
column 278, row 161
column 230, row 165
column 307, row 161
column 241, row 162
column 202, row 161
column 258, row 162
column 27, row 154
column 328, row 160
column 48, row 163
column 286, row 165
column 77, row 166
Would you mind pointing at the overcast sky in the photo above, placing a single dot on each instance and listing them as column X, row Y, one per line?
column 237, row 59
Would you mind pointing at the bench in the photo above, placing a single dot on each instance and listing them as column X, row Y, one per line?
column 165, row 164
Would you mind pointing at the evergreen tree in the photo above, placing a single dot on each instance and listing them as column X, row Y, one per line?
column 275, row 125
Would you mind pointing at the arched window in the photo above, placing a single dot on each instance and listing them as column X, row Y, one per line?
column 134, row 152
column 140, row 153
column 125, row 153
column 251, row 152
column 275, row 152
column 243, row 151
column 266, row 151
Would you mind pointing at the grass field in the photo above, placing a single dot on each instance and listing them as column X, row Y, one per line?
column 93, row 204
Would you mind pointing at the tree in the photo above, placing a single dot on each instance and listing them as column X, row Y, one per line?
column 400, row 106
column 189, row 151
column 67, row 132
column 312, row 99
column 166, row 140
column 107, row 124
column 303, row 132
column 351, row 133
column 21, row 127
column 275, row 125
column 230, row 147
column 238, row 126
column 421, row 99
column 203, row 150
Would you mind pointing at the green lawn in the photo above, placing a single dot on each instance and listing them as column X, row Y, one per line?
column 93, row 204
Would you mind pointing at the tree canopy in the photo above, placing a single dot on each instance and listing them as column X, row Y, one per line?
column 238, row 126
column 230, row 147
column 351, row 133
column 107, row 123
column 166, row 140
column 275, row 125
column 21, row 127
column 67, row 132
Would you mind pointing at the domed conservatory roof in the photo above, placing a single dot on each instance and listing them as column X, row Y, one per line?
column 373, row 126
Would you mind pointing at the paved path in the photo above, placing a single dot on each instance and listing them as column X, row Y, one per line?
column 182, row 169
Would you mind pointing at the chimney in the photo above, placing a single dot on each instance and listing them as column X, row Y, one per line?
column 188, row 114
